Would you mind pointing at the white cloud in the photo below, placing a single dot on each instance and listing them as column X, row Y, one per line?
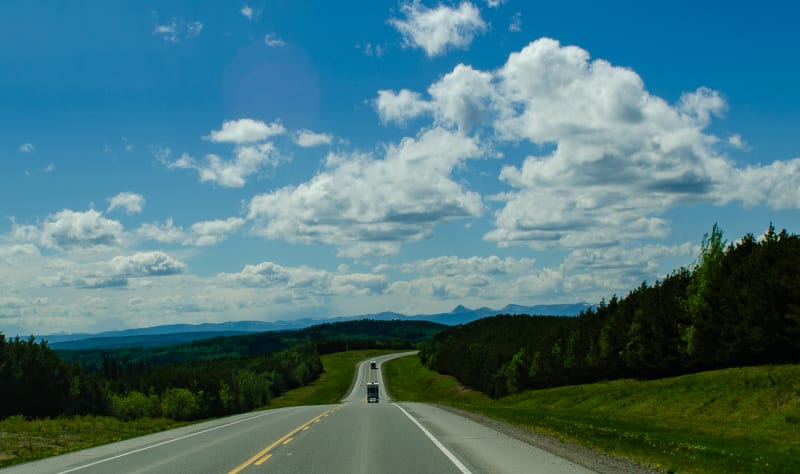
column 452, row 266
column 614, row 157
column 167, row 233
column 307, row 138
column 212, row 232
column 199, row 234
column 738, row 142
column 250, row 157
column 366, row 206
column 435, row 30
column 130, row 202
column 273, row 41
column 115, row 273
column 245, row 131
column 176, row 30
column 67, row 229
column 27, row 148
column 401, row 106
column 146, row 264
column 250, row 13
column 168, row 32
column 495, row 3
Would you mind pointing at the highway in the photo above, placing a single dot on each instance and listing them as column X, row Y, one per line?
column 351, row 437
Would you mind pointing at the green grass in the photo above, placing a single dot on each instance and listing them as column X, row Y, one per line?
column 734, row 420
column 24, row 440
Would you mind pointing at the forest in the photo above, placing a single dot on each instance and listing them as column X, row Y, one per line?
column 212, row 377
column 738, row 305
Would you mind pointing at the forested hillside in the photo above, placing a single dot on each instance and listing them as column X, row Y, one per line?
column 738, row 305
column 205, row 378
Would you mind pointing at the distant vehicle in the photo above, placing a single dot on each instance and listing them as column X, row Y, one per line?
column 373, row 364
column 372, row 392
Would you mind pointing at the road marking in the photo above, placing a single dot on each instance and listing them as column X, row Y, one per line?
column 271, row 412
column 438, row 444
column 263, row 455
column 263, row 460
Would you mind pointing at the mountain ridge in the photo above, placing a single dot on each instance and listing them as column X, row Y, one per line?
column 459, row 315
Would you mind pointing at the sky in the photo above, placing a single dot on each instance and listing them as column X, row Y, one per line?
column 199, row 161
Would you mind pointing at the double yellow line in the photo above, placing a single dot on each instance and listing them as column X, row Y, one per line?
column 264, row 454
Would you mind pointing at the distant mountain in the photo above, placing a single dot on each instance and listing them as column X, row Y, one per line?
column 180, row 333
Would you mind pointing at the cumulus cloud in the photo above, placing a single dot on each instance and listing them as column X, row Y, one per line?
column 399, row 107
column 116, row 272
column 130, row 202
column 452, row 266
column 199, row 234
column 212, row 232
column 614, row 157
column 27, row 148
column 436, row 30
column 252, row 153
column 67, row 230
column 307, row 138
column 145, row 264
column 245, row 131
column 369, row 206
column 302, row 284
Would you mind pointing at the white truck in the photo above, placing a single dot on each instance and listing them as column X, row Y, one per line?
column 372, row 392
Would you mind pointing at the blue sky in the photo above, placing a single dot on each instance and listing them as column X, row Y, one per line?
column 168, row 162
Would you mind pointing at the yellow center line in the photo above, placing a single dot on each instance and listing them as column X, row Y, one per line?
column 263, row 455
column 262, row 460
column 288, row 441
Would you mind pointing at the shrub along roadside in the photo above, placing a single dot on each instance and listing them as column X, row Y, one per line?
column 732, row 420
column 24, row 440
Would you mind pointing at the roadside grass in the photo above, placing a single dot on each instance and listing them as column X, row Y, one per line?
column 24, row 440
column 734, row 420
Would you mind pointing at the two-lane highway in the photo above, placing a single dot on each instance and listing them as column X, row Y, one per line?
column 351, row 437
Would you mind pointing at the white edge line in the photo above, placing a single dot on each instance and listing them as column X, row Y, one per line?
column 270, row 412
column 438, row 444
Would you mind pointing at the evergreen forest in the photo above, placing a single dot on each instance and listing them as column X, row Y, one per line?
column 738, row 305
column 206, row 378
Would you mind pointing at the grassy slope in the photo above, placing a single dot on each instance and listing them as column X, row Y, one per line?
column 736, row 420
column 26, row 440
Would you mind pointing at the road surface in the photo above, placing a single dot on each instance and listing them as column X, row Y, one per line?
column 351, row 437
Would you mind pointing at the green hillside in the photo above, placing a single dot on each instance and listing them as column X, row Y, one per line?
column 731, row 420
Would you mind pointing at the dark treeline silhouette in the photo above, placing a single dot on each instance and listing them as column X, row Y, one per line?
column 738, row 305
column 191, row 381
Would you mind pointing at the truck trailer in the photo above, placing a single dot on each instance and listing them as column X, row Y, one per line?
column 372, row 392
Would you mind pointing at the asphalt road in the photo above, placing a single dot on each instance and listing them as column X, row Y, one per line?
column 351, row 437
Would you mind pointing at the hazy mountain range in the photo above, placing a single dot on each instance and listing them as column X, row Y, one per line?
column 181, row 333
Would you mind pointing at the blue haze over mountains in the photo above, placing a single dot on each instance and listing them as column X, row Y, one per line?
column 183, row 333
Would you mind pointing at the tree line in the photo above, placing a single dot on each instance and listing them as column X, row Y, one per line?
column 739, row 304
column 202, row 379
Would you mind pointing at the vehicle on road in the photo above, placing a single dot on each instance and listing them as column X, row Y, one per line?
column 372, row 392
column 373, row 364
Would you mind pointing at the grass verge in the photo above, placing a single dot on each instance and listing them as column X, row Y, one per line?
column 734, row 420
column 24, row 440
